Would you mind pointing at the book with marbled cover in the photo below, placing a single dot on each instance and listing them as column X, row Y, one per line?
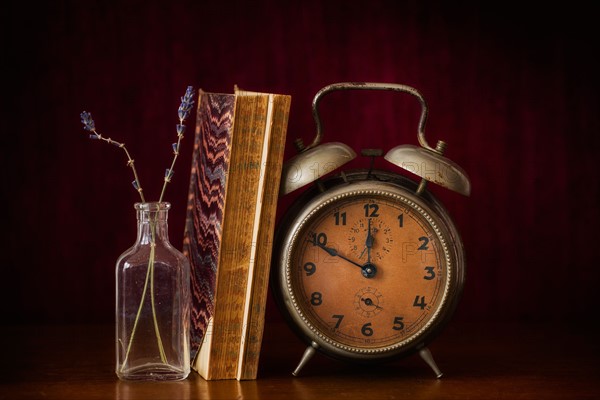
column 206, row 201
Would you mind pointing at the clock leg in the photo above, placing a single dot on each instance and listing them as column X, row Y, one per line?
column 428, row 358
column 308, row 353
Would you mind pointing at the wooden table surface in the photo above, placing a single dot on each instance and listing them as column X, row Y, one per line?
column 479, row 361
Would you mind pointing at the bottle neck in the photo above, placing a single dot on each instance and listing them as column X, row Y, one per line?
column 152, row 222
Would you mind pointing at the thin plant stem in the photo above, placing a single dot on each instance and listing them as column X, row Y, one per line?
column 167, row 178
column 130, row 161
column 137, row 318
column 169, row 172
column 135, row 175
column 161, row 349
column 149, row 277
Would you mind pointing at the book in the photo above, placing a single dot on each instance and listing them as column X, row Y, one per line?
column 258, row 274
column 226, row 221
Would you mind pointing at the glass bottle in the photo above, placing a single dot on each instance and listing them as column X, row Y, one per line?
column 153, row 302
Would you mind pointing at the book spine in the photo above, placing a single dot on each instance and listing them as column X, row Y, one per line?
column 205, row 209
column 258, row 286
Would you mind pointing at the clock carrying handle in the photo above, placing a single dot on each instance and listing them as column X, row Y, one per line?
column 366, row 86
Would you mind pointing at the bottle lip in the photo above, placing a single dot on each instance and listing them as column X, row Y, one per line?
column 153, row 206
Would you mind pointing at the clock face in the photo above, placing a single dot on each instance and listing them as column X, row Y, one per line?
column 369, row 270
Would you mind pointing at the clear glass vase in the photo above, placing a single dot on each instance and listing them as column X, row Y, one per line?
column 153, row 302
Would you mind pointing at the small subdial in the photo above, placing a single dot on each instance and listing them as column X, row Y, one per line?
column 382, row 240
column 368, row 302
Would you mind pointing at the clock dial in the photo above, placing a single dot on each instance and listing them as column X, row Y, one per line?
column 379, row 232
column 369, row 270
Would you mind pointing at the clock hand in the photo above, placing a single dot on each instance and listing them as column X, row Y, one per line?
column 369, row 302
column 368, row 244
column 368, row 270
column 334, row 253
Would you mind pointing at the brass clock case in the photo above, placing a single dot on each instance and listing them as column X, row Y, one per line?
column 291, row 236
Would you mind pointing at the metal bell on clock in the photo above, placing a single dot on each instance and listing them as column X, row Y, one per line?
column 313, row 163
column 425, row 161
column 314, row 160
column 431, row 165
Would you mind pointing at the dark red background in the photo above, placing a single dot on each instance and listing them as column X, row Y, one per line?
column 512, row 89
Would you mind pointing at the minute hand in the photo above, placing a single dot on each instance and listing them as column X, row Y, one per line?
column 334, row 253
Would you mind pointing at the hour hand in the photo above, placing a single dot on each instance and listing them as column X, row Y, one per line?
column 368, row 243
column 368, row 270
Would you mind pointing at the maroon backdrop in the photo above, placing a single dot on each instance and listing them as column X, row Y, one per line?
column 513, row 90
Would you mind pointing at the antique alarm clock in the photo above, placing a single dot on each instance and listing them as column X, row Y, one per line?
column 367, row 264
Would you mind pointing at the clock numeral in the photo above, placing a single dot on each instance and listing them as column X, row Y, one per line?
column 340, row 218
column 319, row 239
column 430, row 273
column 371, row 210
column 425, row 241
column 398, row 324
column 419, row 302
column 310, row 268
column 316, row 299
column 401, row 220
column 339, row 320
column 366, row 329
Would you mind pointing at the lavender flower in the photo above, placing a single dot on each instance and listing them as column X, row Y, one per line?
column 88, row 125
column 186, row 104
column 87, row 121
column 184, row 111
column 169, row 174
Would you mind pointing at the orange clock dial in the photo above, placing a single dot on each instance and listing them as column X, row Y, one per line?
column 376, row 227
column 369, row 271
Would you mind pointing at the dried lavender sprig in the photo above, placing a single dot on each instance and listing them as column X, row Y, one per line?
column 184, row 111
column 187, row 101
column 89, row 125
